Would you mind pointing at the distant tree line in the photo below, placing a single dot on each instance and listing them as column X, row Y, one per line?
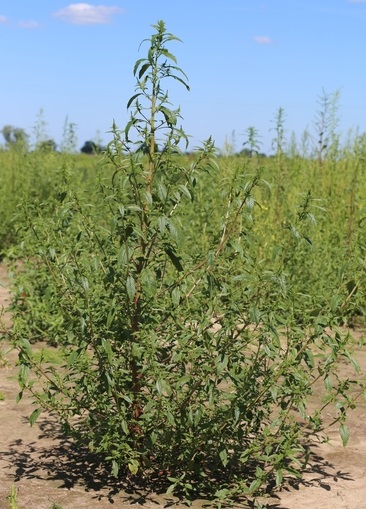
column 92, row 148
column 17, row 138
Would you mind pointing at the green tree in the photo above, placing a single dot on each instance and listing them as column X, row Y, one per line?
column 15, row 137
column 91, row 148
column 47, row 146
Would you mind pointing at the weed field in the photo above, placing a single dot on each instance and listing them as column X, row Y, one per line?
column 201, row 307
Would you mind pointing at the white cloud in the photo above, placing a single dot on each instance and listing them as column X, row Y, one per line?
column 29, row 24
column 86, row 14
column 263, row 39
column 3, row 20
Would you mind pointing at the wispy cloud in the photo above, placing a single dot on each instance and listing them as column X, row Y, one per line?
column 86, row 14
column 263, row 39
column 3, row 20
column 30, row 25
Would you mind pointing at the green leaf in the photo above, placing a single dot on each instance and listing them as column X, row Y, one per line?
column 166, row 53
column 130, row 287
column 132, row 122
column 254, row 486
column 110, row 316
column 176, row 296
column 158, row 386
column 173, row 230
column 121, row 210
column 52, row 253
column 135, row 96
column 162, row 222
column 122, row 256
column 180, row 81
column 137, row 65
column 173, row 486
column 223, row 457
column 115, row 468
column 147, row 197
column 170, row 418
column 222, row 494
column 255, row 314
column 176, row 261
column 184, row 190
column 328, row 383
column 295, row 232
column 133, row 467
column 85, row 284
column 161, row 191
column 23, row 375
column 34, row 416
column 108, row 349
column 309, row 358
column 143, row 69
column 353, row 361
column 169, row 115
column 344, row 433
column 183, row 381
column 279, row 477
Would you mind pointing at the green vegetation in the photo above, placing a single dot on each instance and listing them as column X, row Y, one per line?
column 32, row 177
column 194, row 301
column 48, row 355
column 14, row 499
column 3, row 360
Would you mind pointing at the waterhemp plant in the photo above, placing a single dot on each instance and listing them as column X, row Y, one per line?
column 182, row 365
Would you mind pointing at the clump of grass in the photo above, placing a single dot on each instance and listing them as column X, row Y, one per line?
column 13, row 497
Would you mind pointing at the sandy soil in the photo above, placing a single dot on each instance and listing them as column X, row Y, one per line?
column 47, row 469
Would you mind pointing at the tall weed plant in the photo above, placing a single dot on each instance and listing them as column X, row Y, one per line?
column 189, row 355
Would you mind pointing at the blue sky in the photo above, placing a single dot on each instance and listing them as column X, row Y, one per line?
column 244, row 58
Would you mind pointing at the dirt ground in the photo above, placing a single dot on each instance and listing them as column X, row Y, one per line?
column 46, row 469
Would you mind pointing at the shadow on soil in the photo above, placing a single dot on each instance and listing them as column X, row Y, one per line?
column 319, row 472
column 75, row 466
column 322, row 471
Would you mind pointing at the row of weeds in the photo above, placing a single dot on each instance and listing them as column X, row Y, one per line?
column 194, row 301
column 32, row 177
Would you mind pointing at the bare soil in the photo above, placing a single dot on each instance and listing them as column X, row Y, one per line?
column 46, row 469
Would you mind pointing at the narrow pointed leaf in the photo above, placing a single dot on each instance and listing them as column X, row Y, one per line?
column 132, row 99
column 143, row 69
column 167, row 54
column 180, row 81
column 137, row 65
